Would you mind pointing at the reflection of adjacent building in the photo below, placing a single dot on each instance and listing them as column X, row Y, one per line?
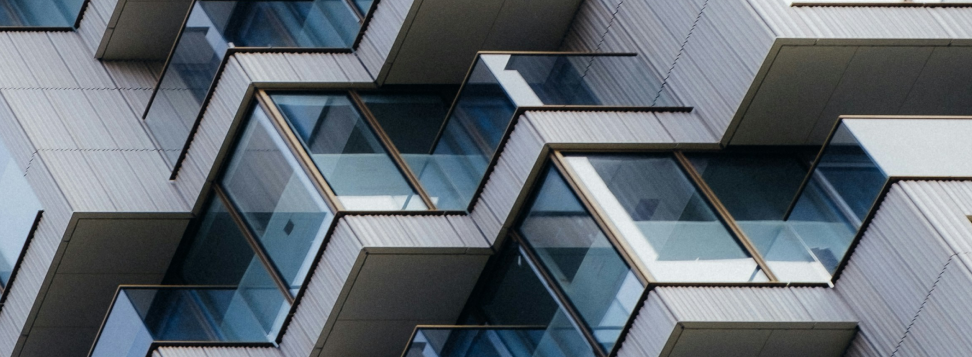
column 499, row 177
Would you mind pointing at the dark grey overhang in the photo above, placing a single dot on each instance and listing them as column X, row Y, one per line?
column 760, row 339
column 99, row 252
column 804, row 85
column 143, row 29
column 440, row 38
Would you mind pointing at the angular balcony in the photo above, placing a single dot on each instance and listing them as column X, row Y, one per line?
column 213, row 29
column 499, row 86
column 142, row 317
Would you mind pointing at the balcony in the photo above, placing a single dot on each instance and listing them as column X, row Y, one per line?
column 213, row 29
column 144, row 317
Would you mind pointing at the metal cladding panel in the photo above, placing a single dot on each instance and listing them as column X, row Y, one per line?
column 692, row 85
column 79, row 118
column 93, row 26
column 753, row 304
column 650, row 331
column 380, row 35
column 88, row 71
column 39, row 119
column 80, row 185
column 407, row 232
column 42, row 59
column 13, row 137
column 132, row 75
column 122, row 123
column 599, row 127
column 854, row 22
column 487, row 221
column 946, row 204
column 940, row 328
column 15, row 73
column 686, row 128
column 216, row 121
column 267, row 67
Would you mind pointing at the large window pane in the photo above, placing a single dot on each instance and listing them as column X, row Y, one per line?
column 665, row 220
column 348, row 153
column 219, row 254
column 276, row 199
column 837, row 198
column 411, row 118
column 18, row 211
column 584, row 263
column 39, row 13
column 757, row 189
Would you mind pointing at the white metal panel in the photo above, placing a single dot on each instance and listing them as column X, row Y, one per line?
column 132, row 75
column 382, row 30
column 650, row 331
column 123, row 124
column 15, row 73
column 39, row 119
column 93, row 27
column 686, row 128
column 88, row 71
column 598, row 127
column 938, row 147
column 42, row 59
column 81, row 186
column 78, row 117
column 267, row 67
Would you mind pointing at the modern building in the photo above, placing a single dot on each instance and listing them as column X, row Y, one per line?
column 456, row 178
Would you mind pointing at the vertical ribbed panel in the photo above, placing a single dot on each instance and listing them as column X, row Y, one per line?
column 131, row 75
column 738, row 305
column 216, row 120
column 408, row 232
column 383, row 29
column 598, row 127
column 851, row 22
column 15, row 73
column 81, row 186
column 650, row 331
column 122, row 123
column 267, row 67
column 686, row 128
column 42, row 59
column 79, row 118
column 93, row 26
column 88, row 71
column 14, row 138
column 39, row 119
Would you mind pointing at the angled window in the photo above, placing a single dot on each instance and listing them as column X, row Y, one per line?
column 39, row 13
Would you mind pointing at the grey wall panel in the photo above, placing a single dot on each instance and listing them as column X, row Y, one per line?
column 487, row 222
column 16, row 73
column 713, row 304
column 467, row 230
column 78, row 117
column 132, row 75
column 383, row 29
column 93, row 26
column 686, row 128
column 941, row 327
column 599, row 127
column 851, row 22
column 694, row 89
column 13, row 137
column 404, row 232
column 267, row 67
column 39, row 119
column 88, row 71
column 42, row 59
column 81, row 186
column 123, row 124
column 650, row 331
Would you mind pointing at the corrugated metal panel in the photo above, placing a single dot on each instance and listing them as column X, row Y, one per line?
column 467, row 230
column 750, row 304
column 486, row 221
column 267, row 67
column 80, row 185
column 314, row 67
column 123, row 186
column 92, row 28
column 383, row 29
column 131, row 75
column 650, row 331
column 598, row 127
column 13, row 137
column 852, row 22
column 123, row 124
column 88, row 71
column 686, row 128
column 38, row 118
column 42, row 59
column 406, row 232
column 153, row 175
column 940, row 328
column 15, row 73
column 79, row 118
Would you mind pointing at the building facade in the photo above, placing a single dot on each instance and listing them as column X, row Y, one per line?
column 485, row 178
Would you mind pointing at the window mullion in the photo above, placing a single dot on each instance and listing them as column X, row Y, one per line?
column 724, row 214
column 254, row 243
column 393, row 152
column 297, row 149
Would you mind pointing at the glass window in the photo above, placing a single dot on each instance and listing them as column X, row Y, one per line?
column 580, row 258
column 18, row 211
column 665, row 220
column 348, row 153
column 841, row 190
column 411, row 118
column 219, row 254
column 39, row 13
column 276, row 199
column 214, row 26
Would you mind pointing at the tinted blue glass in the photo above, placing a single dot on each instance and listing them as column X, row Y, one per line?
column 485, row 341
column 470, row 138
column 18, row 210
column 212, row 28
column 586, row 266
column 140, row 316
column 348, row 153
column 837, row 198
column 219, row 254
column 42, row 13
column 276, row 199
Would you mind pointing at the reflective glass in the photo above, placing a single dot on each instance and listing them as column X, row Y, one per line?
column 411, row 119
column 18, row 211
column 757, row 189
column 470, row 137
column 494, row 341
column 841, row 190
column 276, row 199
column 214, row 26
column 219, row 254
column 140, row 316
column 665, row 220
column 580, row 258
column 39, row 13
column 348, row 153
